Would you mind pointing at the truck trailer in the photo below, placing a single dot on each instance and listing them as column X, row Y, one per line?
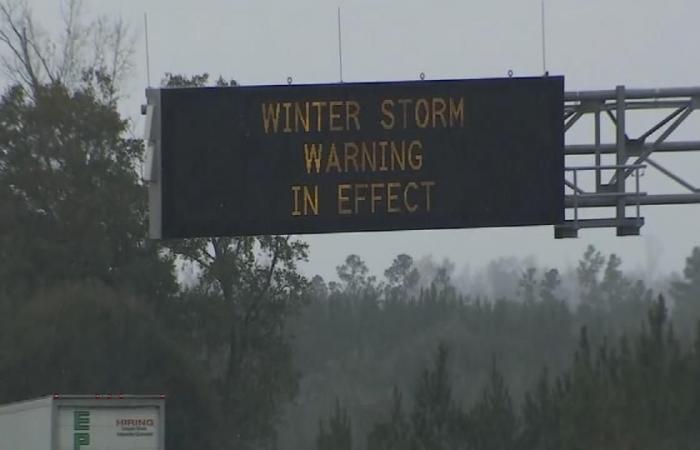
column 79, row 422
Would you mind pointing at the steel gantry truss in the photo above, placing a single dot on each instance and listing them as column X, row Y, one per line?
column 603, row 174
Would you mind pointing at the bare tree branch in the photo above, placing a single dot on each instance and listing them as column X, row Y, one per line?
column 15, row 38
column 255, row 307
column 10, row 44
column 28, row 61
column 198, row 260
column 70, row 19
column 30, row 56
column 31, row 41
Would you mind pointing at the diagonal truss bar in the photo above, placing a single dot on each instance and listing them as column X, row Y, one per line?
column 679, row 120
column 568, row 114
column 575, row 188
column 671, row 175
column 661, row 124
column 613, row 119
column 577, row 115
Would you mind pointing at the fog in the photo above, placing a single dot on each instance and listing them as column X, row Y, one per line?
column 490, row 338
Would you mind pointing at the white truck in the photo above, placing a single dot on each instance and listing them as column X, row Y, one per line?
column 78, row 422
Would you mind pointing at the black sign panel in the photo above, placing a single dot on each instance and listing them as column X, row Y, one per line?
column 361, row 157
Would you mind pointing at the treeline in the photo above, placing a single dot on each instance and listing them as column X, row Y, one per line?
column 360, row 336
column 641, row 391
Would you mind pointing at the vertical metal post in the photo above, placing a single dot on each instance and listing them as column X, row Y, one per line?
column 340, row 47
column 620, row 158
column 597, row 151
column 544, row 43
column 636, row 183
column 576, row 198
column 153, row 146
column 148, row 57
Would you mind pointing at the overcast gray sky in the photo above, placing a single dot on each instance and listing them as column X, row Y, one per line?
column 595, row 44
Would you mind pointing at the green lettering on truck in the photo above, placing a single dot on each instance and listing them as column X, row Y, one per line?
column 81, row 439
column 81, row 420
column 81, row 424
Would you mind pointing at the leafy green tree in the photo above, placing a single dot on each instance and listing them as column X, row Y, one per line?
column 75, row 261
column 258, row 281
column 73, row 205
column 86, row 337
column 258, row 284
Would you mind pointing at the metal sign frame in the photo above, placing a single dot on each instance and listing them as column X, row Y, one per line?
column 610, row 189
column 510, row 119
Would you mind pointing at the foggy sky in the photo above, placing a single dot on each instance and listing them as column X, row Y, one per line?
column 595, row 44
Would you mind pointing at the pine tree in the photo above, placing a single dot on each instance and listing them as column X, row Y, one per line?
column 394, row 434
column 338, row 434
column 686, row 294
column 588, row 272
column 527, row 285
column 540, row 417
column 493, row 419
column 435, row 419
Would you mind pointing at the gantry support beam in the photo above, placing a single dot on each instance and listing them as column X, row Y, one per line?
column 618, row 185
